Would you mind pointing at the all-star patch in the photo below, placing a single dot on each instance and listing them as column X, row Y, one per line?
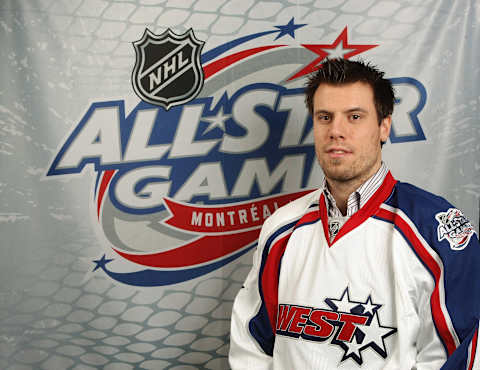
column 455, row 228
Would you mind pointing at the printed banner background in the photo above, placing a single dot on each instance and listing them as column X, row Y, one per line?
column 59, row 57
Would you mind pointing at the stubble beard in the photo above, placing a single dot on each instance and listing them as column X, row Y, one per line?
column 334, row 171
column 342, row 173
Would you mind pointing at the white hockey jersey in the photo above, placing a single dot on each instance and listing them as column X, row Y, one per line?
column 397, row 288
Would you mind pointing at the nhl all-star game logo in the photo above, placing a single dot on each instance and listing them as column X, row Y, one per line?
column 167, row 70
column 219, row 140
column 455, row 228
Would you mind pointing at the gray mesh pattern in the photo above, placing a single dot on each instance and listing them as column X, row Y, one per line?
column 58, row 56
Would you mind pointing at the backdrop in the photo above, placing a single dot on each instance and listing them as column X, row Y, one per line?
column 143, row 143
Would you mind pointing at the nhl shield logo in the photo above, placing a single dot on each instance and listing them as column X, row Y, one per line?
column 167, row 70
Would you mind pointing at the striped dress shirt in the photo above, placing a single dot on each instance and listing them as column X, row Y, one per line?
column 355, row 201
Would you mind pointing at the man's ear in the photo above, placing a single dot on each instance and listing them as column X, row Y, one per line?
column 385, row 126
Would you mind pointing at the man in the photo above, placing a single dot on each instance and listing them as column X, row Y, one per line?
column 366, row 272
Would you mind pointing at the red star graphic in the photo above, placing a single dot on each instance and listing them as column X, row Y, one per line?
column 319, row 49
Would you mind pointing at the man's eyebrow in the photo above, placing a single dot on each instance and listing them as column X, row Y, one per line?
column 350, row 110
column 356, row 109
column 322, row 111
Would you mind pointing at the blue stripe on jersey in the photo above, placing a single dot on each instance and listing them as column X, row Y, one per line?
column 459, row 358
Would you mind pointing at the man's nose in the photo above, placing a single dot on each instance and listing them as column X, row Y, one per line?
column 337, row 128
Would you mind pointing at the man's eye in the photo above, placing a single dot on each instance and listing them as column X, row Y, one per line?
column 323, row 118
column 355, row 116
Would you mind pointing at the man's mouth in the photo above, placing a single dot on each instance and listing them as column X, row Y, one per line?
column 338, row 152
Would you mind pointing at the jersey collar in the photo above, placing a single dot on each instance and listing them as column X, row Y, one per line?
column 367, row 210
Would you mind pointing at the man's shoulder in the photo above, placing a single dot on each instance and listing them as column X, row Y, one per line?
column 292, row 211
column 409, row 198
column 437, row 220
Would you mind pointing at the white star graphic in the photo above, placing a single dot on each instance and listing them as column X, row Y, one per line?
column 353, row 348
column 216, row 121
column 338, row 52
column 343, row 304
column 374, row 334
column 369, row 306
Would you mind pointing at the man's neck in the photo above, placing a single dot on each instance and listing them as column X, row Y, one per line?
column 341, row 190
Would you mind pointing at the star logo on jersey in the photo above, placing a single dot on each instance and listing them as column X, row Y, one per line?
column 370, row 335
column 353, row 326
column 340, row 48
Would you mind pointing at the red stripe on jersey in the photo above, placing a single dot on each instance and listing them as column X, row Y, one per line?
column 270, row 278
column 308, row 218
column 434, row 268
column 363, row 213
column 474, row 350
column 270, row 274
column 324, row 217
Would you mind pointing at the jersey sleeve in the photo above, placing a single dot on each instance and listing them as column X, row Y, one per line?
column 446, row 244
column 459, row 249
column 250, row 346
column 254, row 314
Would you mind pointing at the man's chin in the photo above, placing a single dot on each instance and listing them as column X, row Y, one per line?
column 339, row 175
column 341, row 178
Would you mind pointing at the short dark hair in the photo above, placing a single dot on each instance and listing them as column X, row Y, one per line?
column 341, row 71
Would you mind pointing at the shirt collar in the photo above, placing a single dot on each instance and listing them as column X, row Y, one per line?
column 359, row 197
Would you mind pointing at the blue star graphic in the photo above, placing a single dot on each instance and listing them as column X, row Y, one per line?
column 101, row 263
column 288, row 29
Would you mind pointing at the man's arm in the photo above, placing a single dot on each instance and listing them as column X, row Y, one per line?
column 245, row 351
column 454, row 303
column 254, row 315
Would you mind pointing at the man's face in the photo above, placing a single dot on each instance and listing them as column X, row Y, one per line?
column 347, row 133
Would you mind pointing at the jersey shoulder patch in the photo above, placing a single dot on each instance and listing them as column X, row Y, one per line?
column 437, row 219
